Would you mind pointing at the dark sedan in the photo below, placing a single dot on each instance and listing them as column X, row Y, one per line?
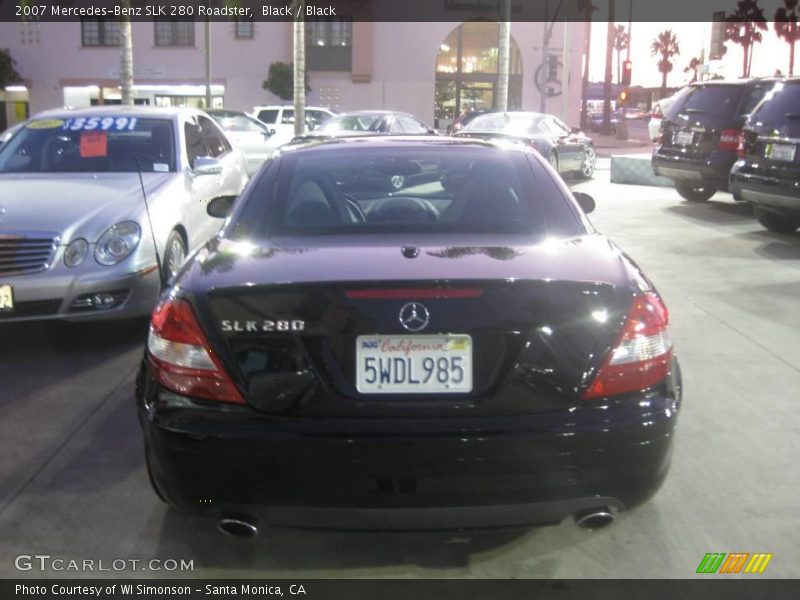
column 567, row 150
column 468, row 351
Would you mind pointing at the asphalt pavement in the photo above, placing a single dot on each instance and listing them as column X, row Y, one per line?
column 73, row 482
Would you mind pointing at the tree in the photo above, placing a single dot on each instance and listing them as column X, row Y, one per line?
column 666, row 46
column 8, row 74
column 280, row 80
column 621, row 41
column 786, row 27
column 742, row 27
column 693, row 67
column 126, row 55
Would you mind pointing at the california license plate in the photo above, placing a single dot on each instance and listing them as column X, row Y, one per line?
column 784, row 152
column 684, row 138
column 6, row 297
column 414, row 364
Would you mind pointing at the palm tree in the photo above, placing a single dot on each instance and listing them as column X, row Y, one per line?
column 693, row 67
column 743, row 27
column 126, row 55
column 621, row 41
column 299, row 68
column 666, row 46
column 786, row 27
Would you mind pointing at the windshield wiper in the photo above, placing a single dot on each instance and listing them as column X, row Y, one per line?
column 695, row 111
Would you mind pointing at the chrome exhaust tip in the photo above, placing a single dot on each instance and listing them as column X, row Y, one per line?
column 240, row 527
column 594, row 518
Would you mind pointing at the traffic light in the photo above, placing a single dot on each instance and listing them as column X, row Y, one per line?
column 627, row 68
column 622, row 99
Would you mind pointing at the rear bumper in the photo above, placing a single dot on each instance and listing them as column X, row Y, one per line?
column 710, row 170
column 779, row 194
column 424, row 473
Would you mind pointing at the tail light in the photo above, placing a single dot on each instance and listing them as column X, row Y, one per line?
column 729, row 139
column 642, row 354
column 740, row 149
column 182, row 360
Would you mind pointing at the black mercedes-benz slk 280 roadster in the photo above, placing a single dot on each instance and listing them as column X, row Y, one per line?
column 462, row 351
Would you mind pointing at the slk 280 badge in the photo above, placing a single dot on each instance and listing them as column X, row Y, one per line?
column 260, row 326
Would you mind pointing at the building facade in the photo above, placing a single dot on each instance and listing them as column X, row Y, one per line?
column 433, row 70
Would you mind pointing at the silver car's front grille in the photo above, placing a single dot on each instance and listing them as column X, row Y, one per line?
column 26, row 252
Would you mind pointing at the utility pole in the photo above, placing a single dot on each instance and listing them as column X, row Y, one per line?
column 208, row 63
column 609, row 60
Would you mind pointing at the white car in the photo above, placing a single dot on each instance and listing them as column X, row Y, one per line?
column 281, row 119
column 660, row 108
column 256, row 139
column 78, row 240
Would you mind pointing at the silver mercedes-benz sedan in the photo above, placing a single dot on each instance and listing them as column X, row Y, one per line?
column 92, row 201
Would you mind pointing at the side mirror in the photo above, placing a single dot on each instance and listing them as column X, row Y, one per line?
column 575, row 130
column 432, row 131
column 220, row 207
column 585, row 201
column 206, row 165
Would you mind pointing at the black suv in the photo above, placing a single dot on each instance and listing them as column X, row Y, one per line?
column 768, row 174
column 700, row 135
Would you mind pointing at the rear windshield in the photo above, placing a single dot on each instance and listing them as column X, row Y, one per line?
column 507, row 123
column 431, row 188
column 363, row 122
column 780, row 106
column 721, row 100
column 91, row 143
column 239, row 123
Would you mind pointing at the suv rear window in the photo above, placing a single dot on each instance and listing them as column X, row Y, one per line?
column 722, row 100
column 785, row 100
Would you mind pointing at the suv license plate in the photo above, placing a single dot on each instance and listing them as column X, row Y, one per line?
column 684, row 138
column 414, row 364
column 6, row 297
column 784, row 152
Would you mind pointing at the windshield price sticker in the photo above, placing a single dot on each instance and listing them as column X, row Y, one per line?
column 100, row 124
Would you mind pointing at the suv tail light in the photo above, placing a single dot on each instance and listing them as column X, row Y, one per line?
column 657, row 114
column 729, row 139
column 182, row 360
column 642, row 354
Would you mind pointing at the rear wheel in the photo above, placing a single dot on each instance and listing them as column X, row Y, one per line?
column 775, row 222
column 589, row 162
column 694, row 193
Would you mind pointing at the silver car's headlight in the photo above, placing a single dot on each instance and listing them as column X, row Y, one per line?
column 117, row 243
column 76, row 252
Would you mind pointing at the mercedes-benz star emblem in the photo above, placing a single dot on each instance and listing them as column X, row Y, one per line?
column 414, row 316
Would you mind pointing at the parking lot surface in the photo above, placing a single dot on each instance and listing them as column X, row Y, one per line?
column 73, row 482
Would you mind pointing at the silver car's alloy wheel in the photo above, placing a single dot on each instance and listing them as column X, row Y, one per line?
column 589, row 163
column 176, row 254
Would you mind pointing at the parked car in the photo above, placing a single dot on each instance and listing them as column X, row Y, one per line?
column 6, row 135
column 768, row 171
column 281, row 118
column 79, row 238
column 567, row 150
column 464, row 119
column 467, row 352
column 596, row 122
column 633, row 113
column 701, row 135
column 660, row 108
column 250, row 135
column 371, row 121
